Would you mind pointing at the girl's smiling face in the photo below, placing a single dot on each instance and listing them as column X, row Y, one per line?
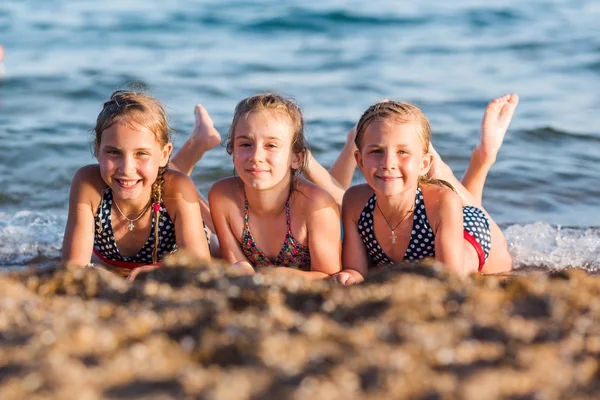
column 262, row 150
column 391, row 156
column 130, row 156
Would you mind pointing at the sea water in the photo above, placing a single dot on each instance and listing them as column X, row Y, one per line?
column 64, row 58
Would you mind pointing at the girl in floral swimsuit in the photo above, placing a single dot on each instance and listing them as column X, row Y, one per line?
column 268, row 215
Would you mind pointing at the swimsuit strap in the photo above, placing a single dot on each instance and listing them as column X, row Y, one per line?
column 288, row 219
column 246, row 215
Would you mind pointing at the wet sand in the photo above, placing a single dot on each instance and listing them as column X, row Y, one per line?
column 204, row 332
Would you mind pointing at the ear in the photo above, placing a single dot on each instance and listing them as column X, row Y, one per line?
column 165, row 154
column 359, row 159
column 297, row 159
column 426, row 163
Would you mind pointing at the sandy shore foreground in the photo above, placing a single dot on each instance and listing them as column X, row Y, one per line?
column 203, row 332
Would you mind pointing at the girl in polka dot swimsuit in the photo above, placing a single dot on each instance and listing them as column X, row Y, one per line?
column 129, row 210
column 268, row 215
column 412, row 206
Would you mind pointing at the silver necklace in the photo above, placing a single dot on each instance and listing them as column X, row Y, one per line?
column 131, row 221
column 394, row 236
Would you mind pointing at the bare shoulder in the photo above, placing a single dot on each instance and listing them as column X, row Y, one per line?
column 89, row 175
column 310, row 196
column 231, row 184
column 439, row 199
column 179, row 186
column 87, row 186
column 226, row 193
column 356, row 197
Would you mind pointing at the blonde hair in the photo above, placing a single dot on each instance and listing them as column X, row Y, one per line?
column 143, row 109
column 278, row 104
column 403, row 112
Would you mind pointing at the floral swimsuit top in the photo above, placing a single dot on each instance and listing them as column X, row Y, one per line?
column 292, row 254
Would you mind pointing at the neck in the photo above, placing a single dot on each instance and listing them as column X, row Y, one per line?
column 268, row 202
column 396, row 207
column 133, row 207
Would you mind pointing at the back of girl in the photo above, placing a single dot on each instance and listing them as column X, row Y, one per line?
column 404, row 212
column 128, row 211
column 268, row 215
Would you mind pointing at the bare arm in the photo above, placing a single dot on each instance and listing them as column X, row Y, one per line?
column 354, row 255
column 223, row 205
column 181, row 196
column 449, row 242
column 78, row 240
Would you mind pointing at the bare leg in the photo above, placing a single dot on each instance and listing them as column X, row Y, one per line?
column 203, row 138
column 494, row 125
column 339, row 177
column 343, row 168
column 495, row 122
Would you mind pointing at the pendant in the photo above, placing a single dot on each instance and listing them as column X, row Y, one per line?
column 393, row 237
column 130, row 226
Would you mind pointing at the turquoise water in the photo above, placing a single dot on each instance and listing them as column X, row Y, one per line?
column 64, row 58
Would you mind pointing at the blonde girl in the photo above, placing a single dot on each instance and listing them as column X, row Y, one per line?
column 128, row 211
column 268, row 215
column 412, row 206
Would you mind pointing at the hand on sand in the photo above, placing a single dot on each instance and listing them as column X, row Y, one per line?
column 143, row 269
column 345, row 278
column 496, row 119
column 245, row 267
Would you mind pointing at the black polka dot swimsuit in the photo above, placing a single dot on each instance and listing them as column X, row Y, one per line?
column 422, row 239
column 105, row 246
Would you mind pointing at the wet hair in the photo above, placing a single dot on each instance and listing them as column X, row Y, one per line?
column 130, row 106
column 281, row 106
column 403, row 112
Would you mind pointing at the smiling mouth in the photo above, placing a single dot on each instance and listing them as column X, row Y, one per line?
column 256, row 171
column 388, row 178
column 127, row 183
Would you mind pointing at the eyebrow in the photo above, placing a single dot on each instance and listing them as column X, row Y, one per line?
column 108, row 146
column 251, row 137
column 377, row 145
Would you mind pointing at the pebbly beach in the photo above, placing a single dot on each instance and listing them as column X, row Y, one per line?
column 204, row 331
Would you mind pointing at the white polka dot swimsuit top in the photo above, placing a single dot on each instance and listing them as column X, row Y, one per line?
column 104, row 240
column 422, row 238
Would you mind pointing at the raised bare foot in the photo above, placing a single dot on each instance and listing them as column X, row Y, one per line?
column 204, row 134
column 494, row 125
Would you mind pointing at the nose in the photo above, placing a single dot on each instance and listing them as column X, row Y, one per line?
column 127, row 164
column 257, row 153
column 389, row 160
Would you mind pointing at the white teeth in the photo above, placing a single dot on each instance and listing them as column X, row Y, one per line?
column 127, row 183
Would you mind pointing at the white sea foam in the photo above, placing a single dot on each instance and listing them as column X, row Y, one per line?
column 33, row 238
column 29, row 237
column 554, row 247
